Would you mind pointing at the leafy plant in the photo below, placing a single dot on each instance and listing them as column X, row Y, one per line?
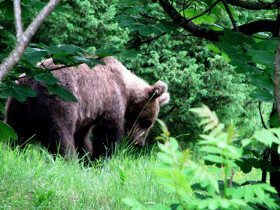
column 195, row 184
column 65, row 55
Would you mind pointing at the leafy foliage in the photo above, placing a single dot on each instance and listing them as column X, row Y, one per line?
column 221, row 147
column 6, row 132
column 64, row 55
column 195, row 75
column 254, row 58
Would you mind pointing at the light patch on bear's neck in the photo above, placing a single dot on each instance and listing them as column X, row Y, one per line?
column 134, row 85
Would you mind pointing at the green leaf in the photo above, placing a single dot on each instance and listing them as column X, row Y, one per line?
column 245, row 167
column 165, row 158
column 7, row 132
column 19, row 92
column 174, row 143
column 167, row 26
column 34, row 55
column 274, row 121
column 105, row 52
column 266, row 137
column 70, row 49
column 189, row 13
column 91, row 62
column 269, row 45
column 214, row 48
column 262, row 81
column 261, row 56
column 210, row 149
column 47, row 78
column 213, row 158
column 133, row 203
column 262, row 95
column 63, row 93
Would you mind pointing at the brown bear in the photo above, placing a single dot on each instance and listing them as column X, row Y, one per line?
column 111, row 100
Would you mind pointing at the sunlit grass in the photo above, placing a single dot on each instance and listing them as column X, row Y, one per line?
column 35, row 179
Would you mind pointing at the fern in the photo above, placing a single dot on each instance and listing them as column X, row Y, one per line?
column 195, row 184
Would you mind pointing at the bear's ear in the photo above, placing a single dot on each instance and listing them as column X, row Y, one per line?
column 159, row 90
column 164, row 99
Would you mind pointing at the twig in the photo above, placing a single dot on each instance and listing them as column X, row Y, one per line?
column 18, row 23
column 231, row 178
column 173, row 108
column 205, row 11
column 148, row 16
column 45, row 67
column 145, row 41
column 260, row 111
column 230, row 15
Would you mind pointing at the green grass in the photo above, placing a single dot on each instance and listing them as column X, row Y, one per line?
column 34, row 179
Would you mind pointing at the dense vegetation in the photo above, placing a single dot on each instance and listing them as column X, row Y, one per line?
column 228, row 71
column 195, row 74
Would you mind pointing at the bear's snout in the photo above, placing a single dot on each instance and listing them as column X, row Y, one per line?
column 141, row 143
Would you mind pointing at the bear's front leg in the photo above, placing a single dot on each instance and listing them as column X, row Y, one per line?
column 82, row 141
column 64, row 141
column 105, row 137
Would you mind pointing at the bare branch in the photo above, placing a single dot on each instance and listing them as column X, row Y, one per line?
column 257, row 5
column 230, row 15
column 19, row 49
column 18, row 23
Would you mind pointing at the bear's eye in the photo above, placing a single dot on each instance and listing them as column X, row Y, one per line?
column 146, row 123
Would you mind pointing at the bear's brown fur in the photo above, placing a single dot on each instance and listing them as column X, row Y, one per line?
column 109, row 97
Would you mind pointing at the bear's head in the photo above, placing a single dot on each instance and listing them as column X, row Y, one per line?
column 141, row 116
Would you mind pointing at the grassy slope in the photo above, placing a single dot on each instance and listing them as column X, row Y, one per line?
column 33, row 179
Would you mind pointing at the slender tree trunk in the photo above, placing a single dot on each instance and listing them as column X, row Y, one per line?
column 18, row 23
column 275, row 158
column 25, row 37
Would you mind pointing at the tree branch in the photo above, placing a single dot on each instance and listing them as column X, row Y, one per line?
column 259, row 5
column 196, row 30
column 230, row 15
column 212, row 35
column 260, row 26
column 205, row 11
column 18, row 23
column 260, row 112
column 19, row 49
column 146, row 41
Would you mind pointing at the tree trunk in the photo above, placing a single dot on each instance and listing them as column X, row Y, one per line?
column 275, row 158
